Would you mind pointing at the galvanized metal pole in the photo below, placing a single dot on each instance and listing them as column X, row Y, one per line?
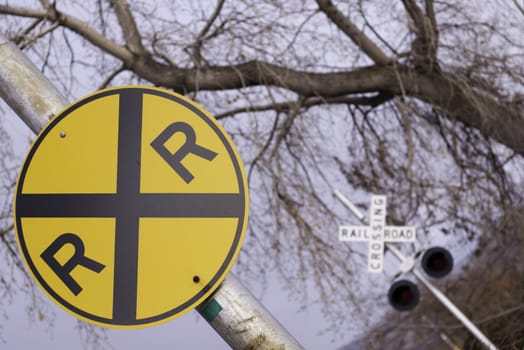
column 25, row 89
column 238, row 317
column 243, row 321
column 470, row 326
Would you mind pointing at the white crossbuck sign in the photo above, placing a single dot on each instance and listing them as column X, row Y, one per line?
column 377, row 233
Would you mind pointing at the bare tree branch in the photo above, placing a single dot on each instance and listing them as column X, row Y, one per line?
column 130, row 31
column 430, row 12
column 371, row 101
column 210, row 22
column 445, row 92
column 44, row 32
column 357, row 36
column 424, row 47
column 76, row 26
column 519, row 6
column 197, row 45
column 18, row 39
column 112, row 76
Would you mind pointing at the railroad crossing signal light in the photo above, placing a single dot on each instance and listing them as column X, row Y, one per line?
column 403, row 295
column 437, row 262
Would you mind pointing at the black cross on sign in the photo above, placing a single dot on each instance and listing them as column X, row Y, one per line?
column 128, row 205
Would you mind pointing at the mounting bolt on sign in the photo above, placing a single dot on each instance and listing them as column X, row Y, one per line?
column 131, row 207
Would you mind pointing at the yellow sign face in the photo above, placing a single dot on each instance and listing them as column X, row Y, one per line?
column 131, row 207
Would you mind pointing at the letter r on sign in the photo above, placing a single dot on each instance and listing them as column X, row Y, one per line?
column 78, row 258
column 190, row 146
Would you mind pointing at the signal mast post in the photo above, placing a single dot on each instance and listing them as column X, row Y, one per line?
column 237, row 316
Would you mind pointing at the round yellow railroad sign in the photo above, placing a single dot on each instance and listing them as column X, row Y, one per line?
column 131, row 207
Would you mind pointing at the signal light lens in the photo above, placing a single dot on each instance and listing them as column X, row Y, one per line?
column 437, row 262
column 403, row 295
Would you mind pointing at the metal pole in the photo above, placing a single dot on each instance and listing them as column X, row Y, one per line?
column 434, row 290
column 232, row 311
column 242, row 321
column 25, row 89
